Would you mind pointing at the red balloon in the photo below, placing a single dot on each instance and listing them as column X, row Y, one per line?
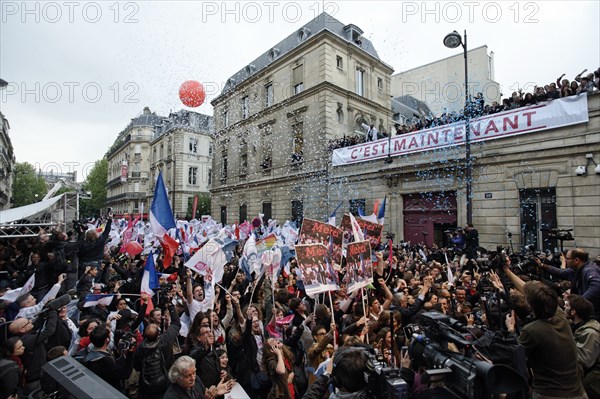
column 192, row 93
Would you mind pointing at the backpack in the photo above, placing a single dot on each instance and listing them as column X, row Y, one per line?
column 154, row 371
column 7, row 365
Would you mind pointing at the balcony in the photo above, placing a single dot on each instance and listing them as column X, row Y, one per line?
column 126, row 196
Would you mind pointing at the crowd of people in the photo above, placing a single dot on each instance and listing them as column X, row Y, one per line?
column 589, row 83
column 267, row 338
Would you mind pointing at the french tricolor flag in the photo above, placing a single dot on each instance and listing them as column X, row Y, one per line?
column 161, row 216
column 161, row 220
column 149, row 281
column 150, row 277
column 97, row 299
column 381, row 213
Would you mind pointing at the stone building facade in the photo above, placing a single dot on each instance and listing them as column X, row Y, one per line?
column 276, row 116
column 182, row 148
column 128, row 180
column 525, row 185
column 441, row 84
column 180, row 145
column 7, row 164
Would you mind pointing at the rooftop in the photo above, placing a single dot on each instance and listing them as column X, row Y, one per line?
column 350, row 33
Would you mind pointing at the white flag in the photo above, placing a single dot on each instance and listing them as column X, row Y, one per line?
column 12, row 295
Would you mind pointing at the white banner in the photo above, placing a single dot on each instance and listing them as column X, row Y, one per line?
column 550, row 115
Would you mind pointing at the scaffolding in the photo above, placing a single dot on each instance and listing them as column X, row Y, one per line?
column 57, row 216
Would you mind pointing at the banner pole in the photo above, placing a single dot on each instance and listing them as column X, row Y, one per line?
column 332, row 321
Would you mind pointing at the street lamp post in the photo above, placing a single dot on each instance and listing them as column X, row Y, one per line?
column 453, row 40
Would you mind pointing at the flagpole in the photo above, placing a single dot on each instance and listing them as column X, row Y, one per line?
column 332, row 320
column 364, row 310
column 273, row 291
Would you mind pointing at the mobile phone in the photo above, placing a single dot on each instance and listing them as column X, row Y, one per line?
column 403, row 350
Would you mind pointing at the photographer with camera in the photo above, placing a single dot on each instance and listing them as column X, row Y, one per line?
column 583, row 274
column 550, row 348
column 101, row 361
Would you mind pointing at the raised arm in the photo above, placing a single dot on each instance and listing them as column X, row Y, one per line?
column 514, row 279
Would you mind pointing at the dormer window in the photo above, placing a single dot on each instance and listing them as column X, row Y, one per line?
column 230, row 83
column 353, row 34
column 250, row 69
column 303, row 34
column 274, row 53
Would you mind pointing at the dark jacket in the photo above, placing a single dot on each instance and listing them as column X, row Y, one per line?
column 92, row 251
column 165, row 341
column 177, row 392
column 35, row 349
column 584, row 282
column 105, row 366
column 9, row 378
column 62, row 335
column 208, row 367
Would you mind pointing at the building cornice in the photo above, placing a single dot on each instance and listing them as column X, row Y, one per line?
column 291, row 101
column 287, row 58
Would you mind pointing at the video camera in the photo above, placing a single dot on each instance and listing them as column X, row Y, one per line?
column 384, row 381
column 461, row 375
column 381, row 380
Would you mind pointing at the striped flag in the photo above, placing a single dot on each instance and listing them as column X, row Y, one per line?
column 381, row 213
column 97, row 299
column 161, row 216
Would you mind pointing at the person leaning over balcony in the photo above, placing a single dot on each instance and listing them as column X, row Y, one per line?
column 371, row 132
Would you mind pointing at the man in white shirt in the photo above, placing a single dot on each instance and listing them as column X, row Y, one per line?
column 27, row 303
column 371, row 131
column 195, row 298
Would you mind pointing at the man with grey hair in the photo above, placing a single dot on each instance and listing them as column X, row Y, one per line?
column 186, row 384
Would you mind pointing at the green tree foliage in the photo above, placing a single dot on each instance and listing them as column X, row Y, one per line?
column 95, row 183
column 27, row 184
column 203, row 207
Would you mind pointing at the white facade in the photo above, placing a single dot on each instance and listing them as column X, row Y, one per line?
column 7, row 164
column 441, row 84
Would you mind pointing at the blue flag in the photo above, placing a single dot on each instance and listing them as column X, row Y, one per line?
column 161, row 215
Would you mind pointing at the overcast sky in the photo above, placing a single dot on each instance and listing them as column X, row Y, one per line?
column 79, row 71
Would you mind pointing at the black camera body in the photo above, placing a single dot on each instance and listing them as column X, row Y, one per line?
column 461, row 374
column 126, row 340
column 383, row 381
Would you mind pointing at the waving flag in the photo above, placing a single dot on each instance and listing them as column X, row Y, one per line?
column 12, row 295
column 169, row 246
column 97, row 299
column 271, row 259
column 356, row 230
column 331, row 219
column 149, row 281
column 161, row 216
column 150, row 277
column 381, row 213
column 161, row 220
column 250, row 261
